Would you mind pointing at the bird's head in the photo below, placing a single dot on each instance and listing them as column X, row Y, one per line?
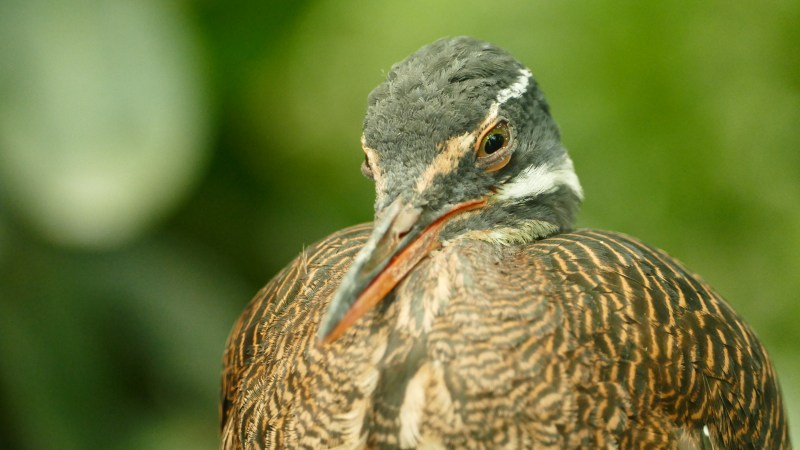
column 461, row 145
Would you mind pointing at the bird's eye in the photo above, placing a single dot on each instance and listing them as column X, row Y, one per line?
column 493, row 147
column 366, row 168
column 494, row 141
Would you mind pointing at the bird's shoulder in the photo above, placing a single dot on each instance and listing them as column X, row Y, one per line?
column 280, row 320
column 603, row 263
column 656, row 332
column 595, row 250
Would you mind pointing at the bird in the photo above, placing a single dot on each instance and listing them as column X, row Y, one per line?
column 472, row 314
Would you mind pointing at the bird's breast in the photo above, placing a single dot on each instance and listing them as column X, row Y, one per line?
column 449, row 355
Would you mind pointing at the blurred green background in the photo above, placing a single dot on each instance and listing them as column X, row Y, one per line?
column 160, row 161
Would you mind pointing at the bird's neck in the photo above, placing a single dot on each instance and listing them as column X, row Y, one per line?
column 520, row 221
column 522, row 232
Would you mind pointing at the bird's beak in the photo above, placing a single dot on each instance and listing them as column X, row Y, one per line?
column 402, row 236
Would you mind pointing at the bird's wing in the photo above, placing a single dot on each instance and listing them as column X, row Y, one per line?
column 276, row 327
column 677, row 351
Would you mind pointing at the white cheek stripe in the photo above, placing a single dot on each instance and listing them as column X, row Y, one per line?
column 544, row 179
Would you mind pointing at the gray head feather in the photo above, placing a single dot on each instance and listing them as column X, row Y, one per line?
column 446, row 89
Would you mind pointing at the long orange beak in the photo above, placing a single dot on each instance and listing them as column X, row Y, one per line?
column 402, row 237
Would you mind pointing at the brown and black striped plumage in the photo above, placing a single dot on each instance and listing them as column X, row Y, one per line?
column 470, row 314
column 602, row 343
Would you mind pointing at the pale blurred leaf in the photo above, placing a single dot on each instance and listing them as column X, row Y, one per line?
column 102, row 120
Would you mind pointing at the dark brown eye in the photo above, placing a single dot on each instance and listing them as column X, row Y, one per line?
column 494, row 142
column 366, row 168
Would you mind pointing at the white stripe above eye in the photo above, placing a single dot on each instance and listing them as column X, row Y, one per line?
column 516, row 89
column 544, row 179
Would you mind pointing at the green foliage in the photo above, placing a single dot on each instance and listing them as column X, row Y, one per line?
column 160, row 161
